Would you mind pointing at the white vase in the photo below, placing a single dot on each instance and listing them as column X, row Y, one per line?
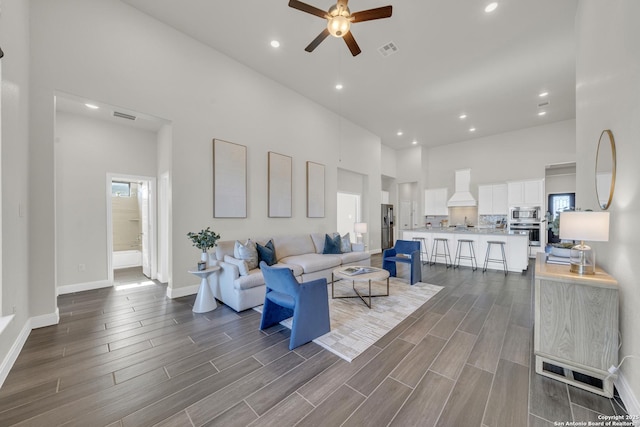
column 204, row 257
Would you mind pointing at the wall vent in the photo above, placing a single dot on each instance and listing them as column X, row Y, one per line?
column 388, row 49
column 543, row 104
column 123, row 115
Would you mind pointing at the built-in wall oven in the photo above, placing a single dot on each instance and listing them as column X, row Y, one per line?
column 532, row 229
column 526, row 220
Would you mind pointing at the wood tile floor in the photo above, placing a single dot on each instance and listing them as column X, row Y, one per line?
column 132, row 357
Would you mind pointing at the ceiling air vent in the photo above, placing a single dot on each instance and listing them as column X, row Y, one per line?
column 388, row 49
column 123, row 115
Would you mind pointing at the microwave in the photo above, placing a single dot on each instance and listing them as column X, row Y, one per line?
column 524, row 214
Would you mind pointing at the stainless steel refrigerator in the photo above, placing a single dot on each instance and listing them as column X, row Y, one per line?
column 387, row 226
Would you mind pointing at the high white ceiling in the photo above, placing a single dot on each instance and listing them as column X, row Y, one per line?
column 452, row 58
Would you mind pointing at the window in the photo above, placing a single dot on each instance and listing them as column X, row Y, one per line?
column 120, row 189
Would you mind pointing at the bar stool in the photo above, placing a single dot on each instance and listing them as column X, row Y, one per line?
column 488, row 259
column 445, row 248
column 471, row 256
column 423, row 249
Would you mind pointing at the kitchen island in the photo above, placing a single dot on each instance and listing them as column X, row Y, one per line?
column 516, row 245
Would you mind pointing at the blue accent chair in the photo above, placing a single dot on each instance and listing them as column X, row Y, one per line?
column 411, row 250
column 307, row 302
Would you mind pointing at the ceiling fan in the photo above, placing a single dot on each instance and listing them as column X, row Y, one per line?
column 339, row 19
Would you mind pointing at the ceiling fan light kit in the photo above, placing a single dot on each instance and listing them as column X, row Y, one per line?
column 339, row 19
column 338, row 26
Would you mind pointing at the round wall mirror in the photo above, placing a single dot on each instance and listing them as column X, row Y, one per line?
column 605, row 169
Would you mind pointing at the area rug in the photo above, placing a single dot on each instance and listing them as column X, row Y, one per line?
column 355, row 327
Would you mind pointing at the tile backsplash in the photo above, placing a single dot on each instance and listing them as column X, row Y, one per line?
column 458, row 215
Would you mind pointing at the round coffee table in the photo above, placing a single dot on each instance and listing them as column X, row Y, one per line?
column 368, row 274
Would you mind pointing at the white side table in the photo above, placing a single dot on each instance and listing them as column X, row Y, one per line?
column 205, row 301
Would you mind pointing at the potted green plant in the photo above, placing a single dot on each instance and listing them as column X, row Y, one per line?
column 204, row 240
column 562, row 249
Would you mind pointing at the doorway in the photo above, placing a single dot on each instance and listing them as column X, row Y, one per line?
column 131, row 224
column 558, row 203
column 349, row 208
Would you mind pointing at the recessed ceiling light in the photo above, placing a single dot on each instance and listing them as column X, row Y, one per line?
column 462, row 116
column 472, row 129
column 542, row 113
column 543, row 94
column 491, row 7
column 415, row 142
column 339, row 86
column 400, row 133
column 93, row 107
column 275, row 43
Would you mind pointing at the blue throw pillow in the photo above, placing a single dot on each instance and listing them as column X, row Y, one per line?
column 266, row 253
column 332, row 244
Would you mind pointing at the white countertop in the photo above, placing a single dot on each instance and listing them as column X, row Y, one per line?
column 467, row 230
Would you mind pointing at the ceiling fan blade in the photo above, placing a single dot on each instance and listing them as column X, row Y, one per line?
column 314, row 44
column 307, row 8
column 371, row 14
column 351, row 43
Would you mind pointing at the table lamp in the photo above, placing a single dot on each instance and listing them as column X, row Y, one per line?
column 584, row 225
column 359, row 228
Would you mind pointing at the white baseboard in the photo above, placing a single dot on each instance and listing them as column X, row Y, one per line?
column 182, row 292
column 14, row 352
column 628, row 398
column 44, row 320
column 12, row 356
column 79, row 287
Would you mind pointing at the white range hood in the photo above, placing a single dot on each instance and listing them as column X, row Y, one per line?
column 462, row 196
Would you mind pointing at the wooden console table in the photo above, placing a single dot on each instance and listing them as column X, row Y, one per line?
column 576, row 326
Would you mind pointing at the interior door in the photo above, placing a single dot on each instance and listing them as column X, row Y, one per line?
column 406, row 217
column 143, row 200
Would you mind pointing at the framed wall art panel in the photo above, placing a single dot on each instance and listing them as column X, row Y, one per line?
column 229, row 180
column 279, row 185
column 315, row 190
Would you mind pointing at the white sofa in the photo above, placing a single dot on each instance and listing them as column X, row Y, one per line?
column 301, row 253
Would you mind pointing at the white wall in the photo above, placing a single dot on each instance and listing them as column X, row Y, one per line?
column 204, row 95
column 15, row 274
column 86, row 150
column 165, row 143
column 521, row 154
column 389, row 162
column 555, row 184
column 608, row 97
column 409, row 165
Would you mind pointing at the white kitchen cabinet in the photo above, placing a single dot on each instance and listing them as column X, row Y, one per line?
column 526, row 193
column 435, row 202
column 492, row 199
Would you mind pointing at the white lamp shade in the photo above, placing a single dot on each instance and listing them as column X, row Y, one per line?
column 582, row 225
column 360, row 227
